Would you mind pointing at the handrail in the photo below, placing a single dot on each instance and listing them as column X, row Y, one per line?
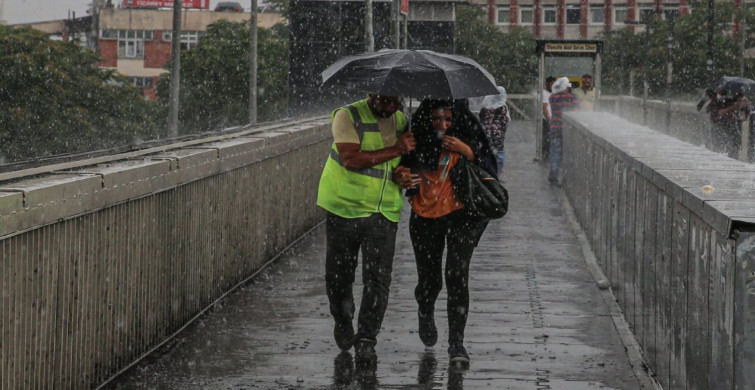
column 229, row 133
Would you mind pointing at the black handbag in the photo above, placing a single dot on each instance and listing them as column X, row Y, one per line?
column 482, row 194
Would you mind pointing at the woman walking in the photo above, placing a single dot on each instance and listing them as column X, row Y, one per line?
column 446, row 132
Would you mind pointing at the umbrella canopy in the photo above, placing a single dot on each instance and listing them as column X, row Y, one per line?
column 412, row 73
column 735, row 85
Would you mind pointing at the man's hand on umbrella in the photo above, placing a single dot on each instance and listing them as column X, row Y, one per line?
column 406, row 143
column 404, row 177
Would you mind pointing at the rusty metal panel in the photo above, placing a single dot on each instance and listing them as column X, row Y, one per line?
column 627, row 240
column 744, row 310
column 618, row 235
column 651, row 276
column 637, row 184
column 664, row 315
column 722, row 312
column 698, row 318
column 678, row 296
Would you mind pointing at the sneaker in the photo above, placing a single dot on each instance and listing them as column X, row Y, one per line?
column 365, row 352
column 428, row 333
column 343, row 333
column 458, row 354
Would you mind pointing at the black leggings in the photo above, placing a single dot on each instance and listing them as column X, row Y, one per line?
column 429, row 238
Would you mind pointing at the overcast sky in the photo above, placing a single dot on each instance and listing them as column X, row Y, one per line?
column 23, row 11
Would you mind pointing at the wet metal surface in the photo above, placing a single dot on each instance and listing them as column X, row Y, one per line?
column 536, row 318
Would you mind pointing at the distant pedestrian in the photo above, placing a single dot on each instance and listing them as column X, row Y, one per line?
column 725, row 116
column 586, row 94
column 546, row 108
column 495, row 118
column 561, row 100
column 363, row 209
column 446, row 133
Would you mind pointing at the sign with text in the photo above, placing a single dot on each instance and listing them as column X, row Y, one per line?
column 404, row 7
column 201, row 4
column 557, row 47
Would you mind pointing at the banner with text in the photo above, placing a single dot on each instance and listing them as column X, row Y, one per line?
column 201, row 4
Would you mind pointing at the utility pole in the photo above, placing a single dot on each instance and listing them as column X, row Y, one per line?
column 369, row 39
column 253, row 65
column 709, row 50
column 743, row 28
column 94, row 35
column 396, row 25
column 175, row 71
column 671, row 19
column 2, row 12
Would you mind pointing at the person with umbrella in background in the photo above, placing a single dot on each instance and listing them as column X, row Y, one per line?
column 446, row 132
column 360, row 190
column 495, row 118
column 727, row 113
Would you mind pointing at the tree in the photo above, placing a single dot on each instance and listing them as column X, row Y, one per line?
column 509, row 57
column 54, row 99
column 215, row 77
column 689, row 54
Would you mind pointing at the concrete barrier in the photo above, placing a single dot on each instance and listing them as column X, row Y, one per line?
column 100, row 263
column 673, row 227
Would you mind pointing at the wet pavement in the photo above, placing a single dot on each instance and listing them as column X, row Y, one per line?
column 537, row 319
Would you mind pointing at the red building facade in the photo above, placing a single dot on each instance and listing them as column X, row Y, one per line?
column 577, row 19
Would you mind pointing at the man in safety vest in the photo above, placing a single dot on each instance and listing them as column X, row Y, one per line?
column 360, row 188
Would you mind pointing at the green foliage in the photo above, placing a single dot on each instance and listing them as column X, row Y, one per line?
column 215, row 77
column 689, row 53
column 510, row 58
column 54, row 99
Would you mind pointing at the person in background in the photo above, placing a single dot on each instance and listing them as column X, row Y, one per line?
column 495, row 118
column 546, row 107
column 725, row 116
column 360, row 190
column 446, row 132
column 586, row 94
column 561, row 100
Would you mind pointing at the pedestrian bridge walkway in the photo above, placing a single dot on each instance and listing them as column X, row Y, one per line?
column 537, row 319
column 116, row 274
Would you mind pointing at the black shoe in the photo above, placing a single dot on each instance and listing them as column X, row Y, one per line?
column 365, row 353
column 457, row 354
column 343, row 333
column 343, row 367
column 428, row 333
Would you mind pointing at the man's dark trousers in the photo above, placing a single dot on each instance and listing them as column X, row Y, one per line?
column 376, row 237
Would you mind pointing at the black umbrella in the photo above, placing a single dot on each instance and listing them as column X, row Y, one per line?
column 735, row 85
column 412, row 73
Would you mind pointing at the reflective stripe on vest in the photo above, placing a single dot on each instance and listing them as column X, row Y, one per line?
column 372, row 172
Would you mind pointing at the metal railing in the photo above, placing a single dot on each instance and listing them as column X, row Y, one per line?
column 673, row 227
column 103, row 259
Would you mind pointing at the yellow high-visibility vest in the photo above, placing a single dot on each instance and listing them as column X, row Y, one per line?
column 358, row 193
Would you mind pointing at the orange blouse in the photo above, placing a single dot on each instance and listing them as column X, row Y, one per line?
column 436, row 196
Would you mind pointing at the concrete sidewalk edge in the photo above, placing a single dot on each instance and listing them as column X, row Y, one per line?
column 634, row 353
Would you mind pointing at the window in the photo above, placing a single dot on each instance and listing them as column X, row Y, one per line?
column 503, row 15
column 597, row 15
column 189, row 39
column 109, row 34
column 141, row 82
column 646, row 10
column 526, row 15
column 620, row 15
column 131, row 43
column 573, row 14
column 549, row 14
